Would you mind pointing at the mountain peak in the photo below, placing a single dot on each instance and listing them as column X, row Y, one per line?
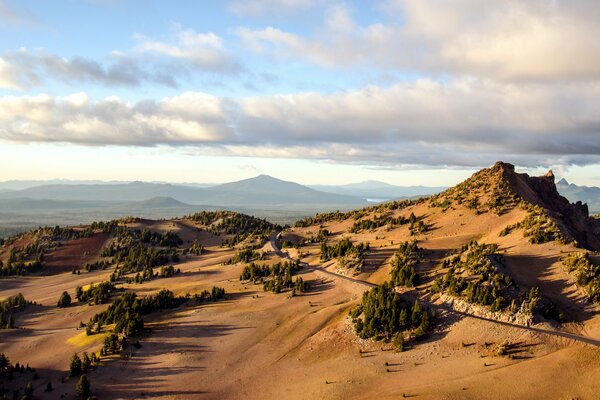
column 563, row 181
column 500, row 189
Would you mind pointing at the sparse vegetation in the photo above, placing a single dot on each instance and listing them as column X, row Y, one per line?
column 473, row 275
column 245, row 256
column 487, row 190
column 240, row 226
column 383, row 313
column 587, row 273
column 377, row 222
column 537, row 226
column 8, row 308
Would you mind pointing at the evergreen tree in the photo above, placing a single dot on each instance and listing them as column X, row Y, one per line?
column 4, row 362
column 64, row 300
column 83, row 388
column 399, row 341
column 85, row 362
column 75, row 365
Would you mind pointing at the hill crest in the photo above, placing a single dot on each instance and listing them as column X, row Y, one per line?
column 500, row 188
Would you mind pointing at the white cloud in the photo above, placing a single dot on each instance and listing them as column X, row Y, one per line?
column 152, row 61
column 504, row 40
column 468, row 122
column 201, row 50
column 9, row 78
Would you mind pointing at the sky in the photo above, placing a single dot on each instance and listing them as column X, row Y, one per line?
column 319, row 92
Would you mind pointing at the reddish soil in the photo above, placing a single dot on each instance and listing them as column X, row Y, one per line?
column 75, row 253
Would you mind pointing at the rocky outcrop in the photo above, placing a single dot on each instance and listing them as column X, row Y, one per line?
column 572, row 218
column 519, row 318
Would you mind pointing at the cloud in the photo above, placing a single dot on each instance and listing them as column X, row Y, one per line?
column 467, row 122
column 203, row 51
column 23, row 70
column 506, row 40
column 253, row 8
column 152, row 61
column 13, row 16
column 188, row 118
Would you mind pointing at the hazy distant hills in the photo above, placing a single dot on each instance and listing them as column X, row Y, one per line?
column 585, row 194
column 76, row 202
column 261, row 190
column 379, row 190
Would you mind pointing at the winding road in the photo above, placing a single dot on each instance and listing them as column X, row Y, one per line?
column 571, row 336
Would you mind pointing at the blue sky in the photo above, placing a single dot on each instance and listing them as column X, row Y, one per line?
column 404, row 91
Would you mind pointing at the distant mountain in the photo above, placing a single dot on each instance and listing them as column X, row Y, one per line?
column 260, row 191
column 585, row 194
column 379, row 190
column 159, row 202
column 265, row 189
column 134, row 191
column 25, row 184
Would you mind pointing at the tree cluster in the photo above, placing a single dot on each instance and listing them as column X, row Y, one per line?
column 274, row 278
column 100, row 264
column 8, row 308
column 378, row 222
column 342, row 248
column 473, row 275
column 239, row 225
column 196, row 248
column 384, row 313
column 403, row 264
column 7, row 374
column 245, row 256
column 95, row 293
column 23, row 261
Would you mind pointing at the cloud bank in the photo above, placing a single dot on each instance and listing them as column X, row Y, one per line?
column 503, row 40
column 468, row 123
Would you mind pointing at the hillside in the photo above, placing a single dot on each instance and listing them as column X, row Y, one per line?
column 490, row 293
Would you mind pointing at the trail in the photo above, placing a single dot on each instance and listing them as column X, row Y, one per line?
column 581, row 339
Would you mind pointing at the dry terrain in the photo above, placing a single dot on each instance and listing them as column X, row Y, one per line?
column 258, row 345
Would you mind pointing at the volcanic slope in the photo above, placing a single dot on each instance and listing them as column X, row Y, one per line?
column 481, row 248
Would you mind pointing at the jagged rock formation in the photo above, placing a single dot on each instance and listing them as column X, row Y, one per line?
column 572, row 218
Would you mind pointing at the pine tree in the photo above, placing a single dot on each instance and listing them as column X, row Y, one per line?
column 64, row 300
column 85, row 362
column 75, row 365
column 4, row 362
column 83, row 388
column 399, row 341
